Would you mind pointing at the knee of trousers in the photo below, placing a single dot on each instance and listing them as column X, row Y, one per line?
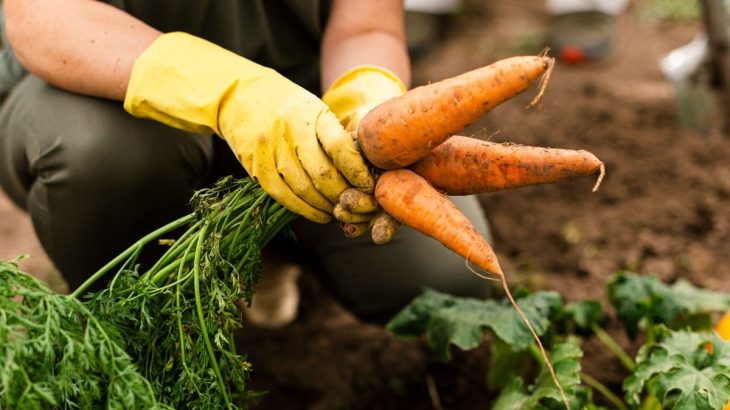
column 81, row 142
column 375, row 282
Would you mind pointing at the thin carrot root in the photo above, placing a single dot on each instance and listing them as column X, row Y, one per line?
column 600, row 178
column 544, row 80
column 466, row 166
column 538, row 341
column 405, row 128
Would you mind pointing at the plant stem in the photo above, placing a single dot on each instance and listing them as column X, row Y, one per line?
column 614, row 347
column 178, row 315
column 201, row 317
column 605, row 391
column 130, row 251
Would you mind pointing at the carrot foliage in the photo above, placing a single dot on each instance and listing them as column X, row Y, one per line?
column 55, row 353
column 155, row 336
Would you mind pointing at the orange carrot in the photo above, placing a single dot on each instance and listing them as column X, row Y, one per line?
column 465, row 166
column 405, row 128
column 413, row 201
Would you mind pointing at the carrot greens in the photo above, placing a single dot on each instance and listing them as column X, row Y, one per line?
column 166, row 338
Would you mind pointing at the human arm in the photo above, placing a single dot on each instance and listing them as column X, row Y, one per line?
column 84, row 46
column 365, row 33
column 364, row 63
column 284, row 136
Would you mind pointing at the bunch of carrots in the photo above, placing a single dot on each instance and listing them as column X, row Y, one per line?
column 411, row 139
column 185, row 302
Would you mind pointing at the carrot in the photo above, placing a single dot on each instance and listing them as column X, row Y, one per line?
column 403, row 129
column 465, row 166
column 411, row 200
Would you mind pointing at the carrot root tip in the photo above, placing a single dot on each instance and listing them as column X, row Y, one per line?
column 600, row 177
column 543, row 84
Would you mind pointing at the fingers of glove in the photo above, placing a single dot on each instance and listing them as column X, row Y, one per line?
column 384, row 228
column 343, row 215
column 340, row 146
column 320, row 168
column 265, row 173
column 356, row 201
column 354, row 230
column 288, row 165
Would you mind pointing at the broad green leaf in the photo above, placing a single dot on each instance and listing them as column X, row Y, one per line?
column 504, row 364
column 644, row 298
column 451, row 320
column 578, row 317
column 543, row 394
column 684, row 370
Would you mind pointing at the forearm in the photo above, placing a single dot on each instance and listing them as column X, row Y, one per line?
column 364, row 32
column 79, row 45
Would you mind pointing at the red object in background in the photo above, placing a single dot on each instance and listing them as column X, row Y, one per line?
column 572, row 55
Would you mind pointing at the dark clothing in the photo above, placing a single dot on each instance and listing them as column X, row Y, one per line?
column 281, row 34
column 95, row 179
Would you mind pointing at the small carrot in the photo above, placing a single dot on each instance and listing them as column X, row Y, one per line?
column 411, row 200
column 405, row 128
column 465, row 166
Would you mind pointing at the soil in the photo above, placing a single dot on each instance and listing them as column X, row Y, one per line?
column 662, row 209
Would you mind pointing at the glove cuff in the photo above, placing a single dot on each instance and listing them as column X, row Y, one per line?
column 359, row 90
column 182, row 80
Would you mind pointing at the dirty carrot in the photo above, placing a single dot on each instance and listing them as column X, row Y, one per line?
column 405, row 128
column 465, row 166
column 410, row 199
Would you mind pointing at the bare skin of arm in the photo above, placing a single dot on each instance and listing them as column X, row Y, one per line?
column 83, row 46
column 90, row 47
column 364, row 32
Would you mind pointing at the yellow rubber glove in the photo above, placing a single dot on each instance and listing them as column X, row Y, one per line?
column 352, row 96
column 285, row 137
column 359, row 90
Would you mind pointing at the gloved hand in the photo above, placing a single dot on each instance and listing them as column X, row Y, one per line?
column 285, row 137
column 355, row 93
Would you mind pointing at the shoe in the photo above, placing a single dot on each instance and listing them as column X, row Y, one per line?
column 582, row 36
column 276, row 300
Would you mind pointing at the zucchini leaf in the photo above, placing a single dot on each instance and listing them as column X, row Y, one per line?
column 684, row 370
column 644, row 298
column 462, row 322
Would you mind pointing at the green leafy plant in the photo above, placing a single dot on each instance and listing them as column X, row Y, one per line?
column 684, row 370
column 462, row 322
column 55, row 353
column 176, row 317
column 542, row 394
column 645, row 300
column 675, row 369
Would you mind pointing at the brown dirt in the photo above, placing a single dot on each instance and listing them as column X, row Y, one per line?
column 663, row 209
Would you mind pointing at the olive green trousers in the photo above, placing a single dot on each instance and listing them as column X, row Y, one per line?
column 95, row 179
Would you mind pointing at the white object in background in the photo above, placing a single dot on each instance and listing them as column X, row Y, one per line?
column 432, row 6
column 613, row 7
column 684, row 67
column 684, row 61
